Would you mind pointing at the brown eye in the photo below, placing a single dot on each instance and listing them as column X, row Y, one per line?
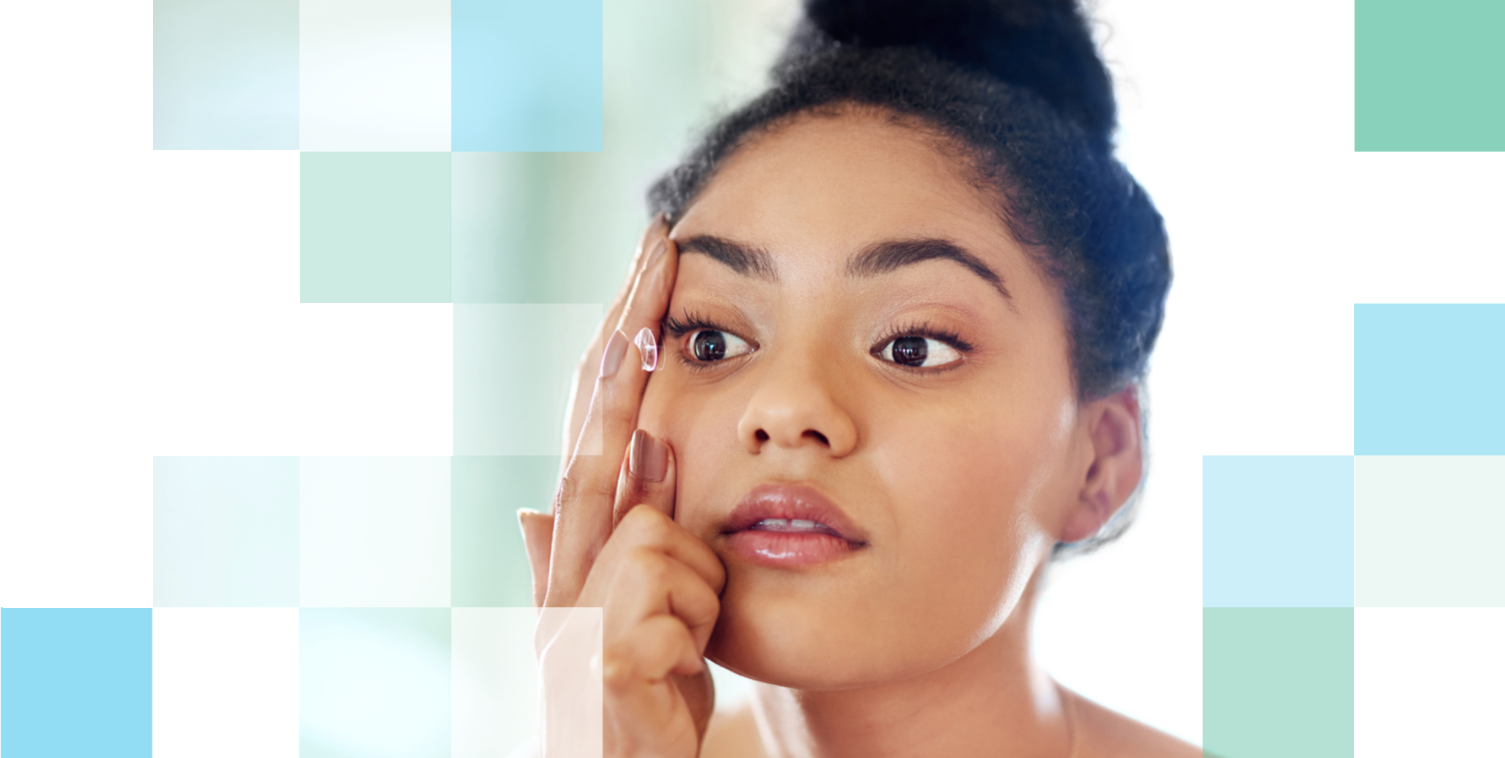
column 919, row 352
column 708, row 345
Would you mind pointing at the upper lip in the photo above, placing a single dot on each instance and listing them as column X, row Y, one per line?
column 790, row 501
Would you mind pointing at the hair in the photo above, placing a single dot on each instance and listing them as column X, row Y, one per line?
column 1018, row 90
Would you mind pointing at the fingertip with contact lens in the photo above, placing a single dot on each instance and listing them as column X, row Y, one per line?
column 647, row 346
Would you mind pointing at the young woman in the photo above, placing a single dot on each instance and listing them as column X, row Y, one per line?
column 894, row 313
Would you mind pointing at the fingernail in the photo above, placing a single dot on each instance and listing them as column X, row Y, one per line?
column 611, row 357
column 647, row 348
column 649, row 460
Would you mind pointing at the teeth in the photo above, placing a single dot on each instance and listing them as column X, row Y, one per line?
column 789, row 525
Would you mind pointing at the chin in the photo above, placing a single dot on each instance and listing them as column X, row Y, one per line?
column 805, row 641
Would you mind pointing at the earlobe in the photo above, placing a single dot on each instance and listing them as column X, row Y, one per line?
column 1117, row 464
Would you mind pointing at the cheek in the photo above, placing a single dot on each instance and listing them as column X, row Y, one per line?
column 700, row 426
column 972, row 494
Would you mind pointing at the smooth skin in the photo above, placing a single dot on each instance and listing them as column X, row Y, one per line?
column 962, row 472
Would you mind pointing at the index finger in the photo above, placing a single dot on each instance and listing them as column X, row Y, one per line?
column 583, row 507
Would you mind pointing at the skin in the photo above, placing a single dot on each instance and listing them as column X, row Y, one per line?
column 961, row 476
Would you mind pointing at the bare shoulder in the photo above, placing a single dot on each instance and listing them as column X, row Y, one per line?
column 732, row 733
column 1109, row 734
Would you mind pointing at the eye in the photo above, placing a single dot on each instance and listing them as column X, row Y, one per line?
column 708, row 345
column 919, row 352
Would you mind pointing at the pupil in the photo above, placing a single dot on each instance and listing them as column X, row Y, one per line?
column 710, row 346
column 910, row 351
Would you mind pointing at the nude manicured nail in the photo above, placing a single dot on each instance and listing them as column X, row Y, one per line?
column 611, row 357
column 649, row 460
column 647, row 348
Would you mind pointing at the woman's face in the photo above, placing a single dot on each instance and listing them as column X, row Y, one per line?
column 857, row 325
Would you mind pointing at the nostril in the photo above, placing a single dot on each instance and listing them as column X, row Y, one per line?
column 762, row 436
column 818, row 436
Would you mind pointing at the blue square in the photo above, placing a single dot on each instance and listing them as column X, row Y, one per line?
column 526, row 76
column 1427, row 378
column 1277, row 531
column 76, row 682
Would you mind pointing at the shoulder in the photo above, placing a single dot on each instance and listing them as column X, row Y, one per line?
column 1109, row 734
column 732, row 733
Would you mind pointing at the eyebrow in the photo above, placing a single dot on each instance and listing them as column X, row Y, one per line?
column 747, row 260
column 886, row 256
column 876, row 259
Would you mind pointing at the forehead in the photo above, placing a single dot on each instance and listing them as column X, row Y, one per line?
column 821, row 187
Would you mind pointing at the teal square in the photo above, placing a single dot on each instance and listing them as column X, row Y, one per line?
column 1277, row 682
column 225, row 531
column 375, row 228
column 1427, row 76
column 490, row 565
column 374, row 682
column 76, row 682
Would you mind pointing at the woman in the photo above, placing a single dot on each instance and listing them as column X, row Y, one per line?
column 895, row 312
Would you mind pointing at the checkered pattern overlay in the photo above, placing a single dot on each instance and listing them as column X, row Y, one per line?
column 357, row 605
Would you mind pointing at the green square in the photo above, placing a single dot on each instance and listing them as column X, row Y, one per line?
column 1277, row 682
column 375, row 228
column 489, row 566
column 1427, row 76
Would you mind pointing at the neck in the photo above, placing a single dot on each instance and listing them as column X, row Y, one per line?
column 992, row 701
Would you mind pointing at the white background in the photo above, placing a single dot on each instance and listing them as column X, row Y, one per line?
column 148, row 306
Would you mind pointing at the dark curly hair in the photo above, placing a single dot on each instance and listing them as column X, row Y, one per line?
column 1018, row 89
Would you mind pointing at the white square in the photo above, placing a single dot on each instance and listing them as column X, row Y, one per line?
column 493, row 680
column 374, row 532
column 374, row 75
column 1427, row 681
column 225, row 682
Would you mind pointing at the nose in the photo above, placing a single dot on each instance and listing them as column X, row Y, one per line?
column 795, row 405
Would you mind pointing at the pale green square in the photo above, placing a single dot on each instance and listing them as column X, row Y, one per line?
column 513, row 369
column 1426, row 530
column 1277, row 682
column 375, row 228
column 489, row 564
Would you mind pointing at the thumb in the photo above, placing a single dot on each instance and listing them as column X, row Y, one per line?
column 538, row 540
column 648, row 477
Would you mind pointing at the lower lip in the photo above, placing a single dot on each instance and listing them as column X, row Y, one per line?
column 788, row 549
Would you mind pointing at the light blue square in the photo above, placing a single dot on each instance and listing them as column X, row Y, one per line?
column 1277, row 531
column 526, row 76
column 76, row 682
column 225, row 531
column 374, row 682
column 1427, row 379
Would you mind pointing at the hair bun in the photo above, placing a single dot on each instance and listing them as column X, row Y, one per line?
column 1042, row 45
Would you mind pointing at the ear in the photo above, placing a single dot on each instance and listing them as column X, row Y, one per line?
column 1117, row 444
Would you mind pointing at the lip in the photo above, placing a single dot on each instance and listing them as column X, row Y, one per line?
column 787, row 549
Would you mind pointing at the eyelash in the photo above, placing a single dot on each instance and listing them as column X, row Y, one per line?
column 693, row 322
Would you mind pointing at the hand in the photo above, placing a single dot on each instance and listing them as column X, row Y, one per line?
column 612, row 543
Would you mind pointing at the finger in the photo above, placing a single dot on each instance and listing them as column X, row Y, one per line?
column 648, row 653
column 651, row 583
column 538, row 535
column 587, row 492
column 580, row 388
column 646, row 526
column 645, row 712
column 648, row 477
